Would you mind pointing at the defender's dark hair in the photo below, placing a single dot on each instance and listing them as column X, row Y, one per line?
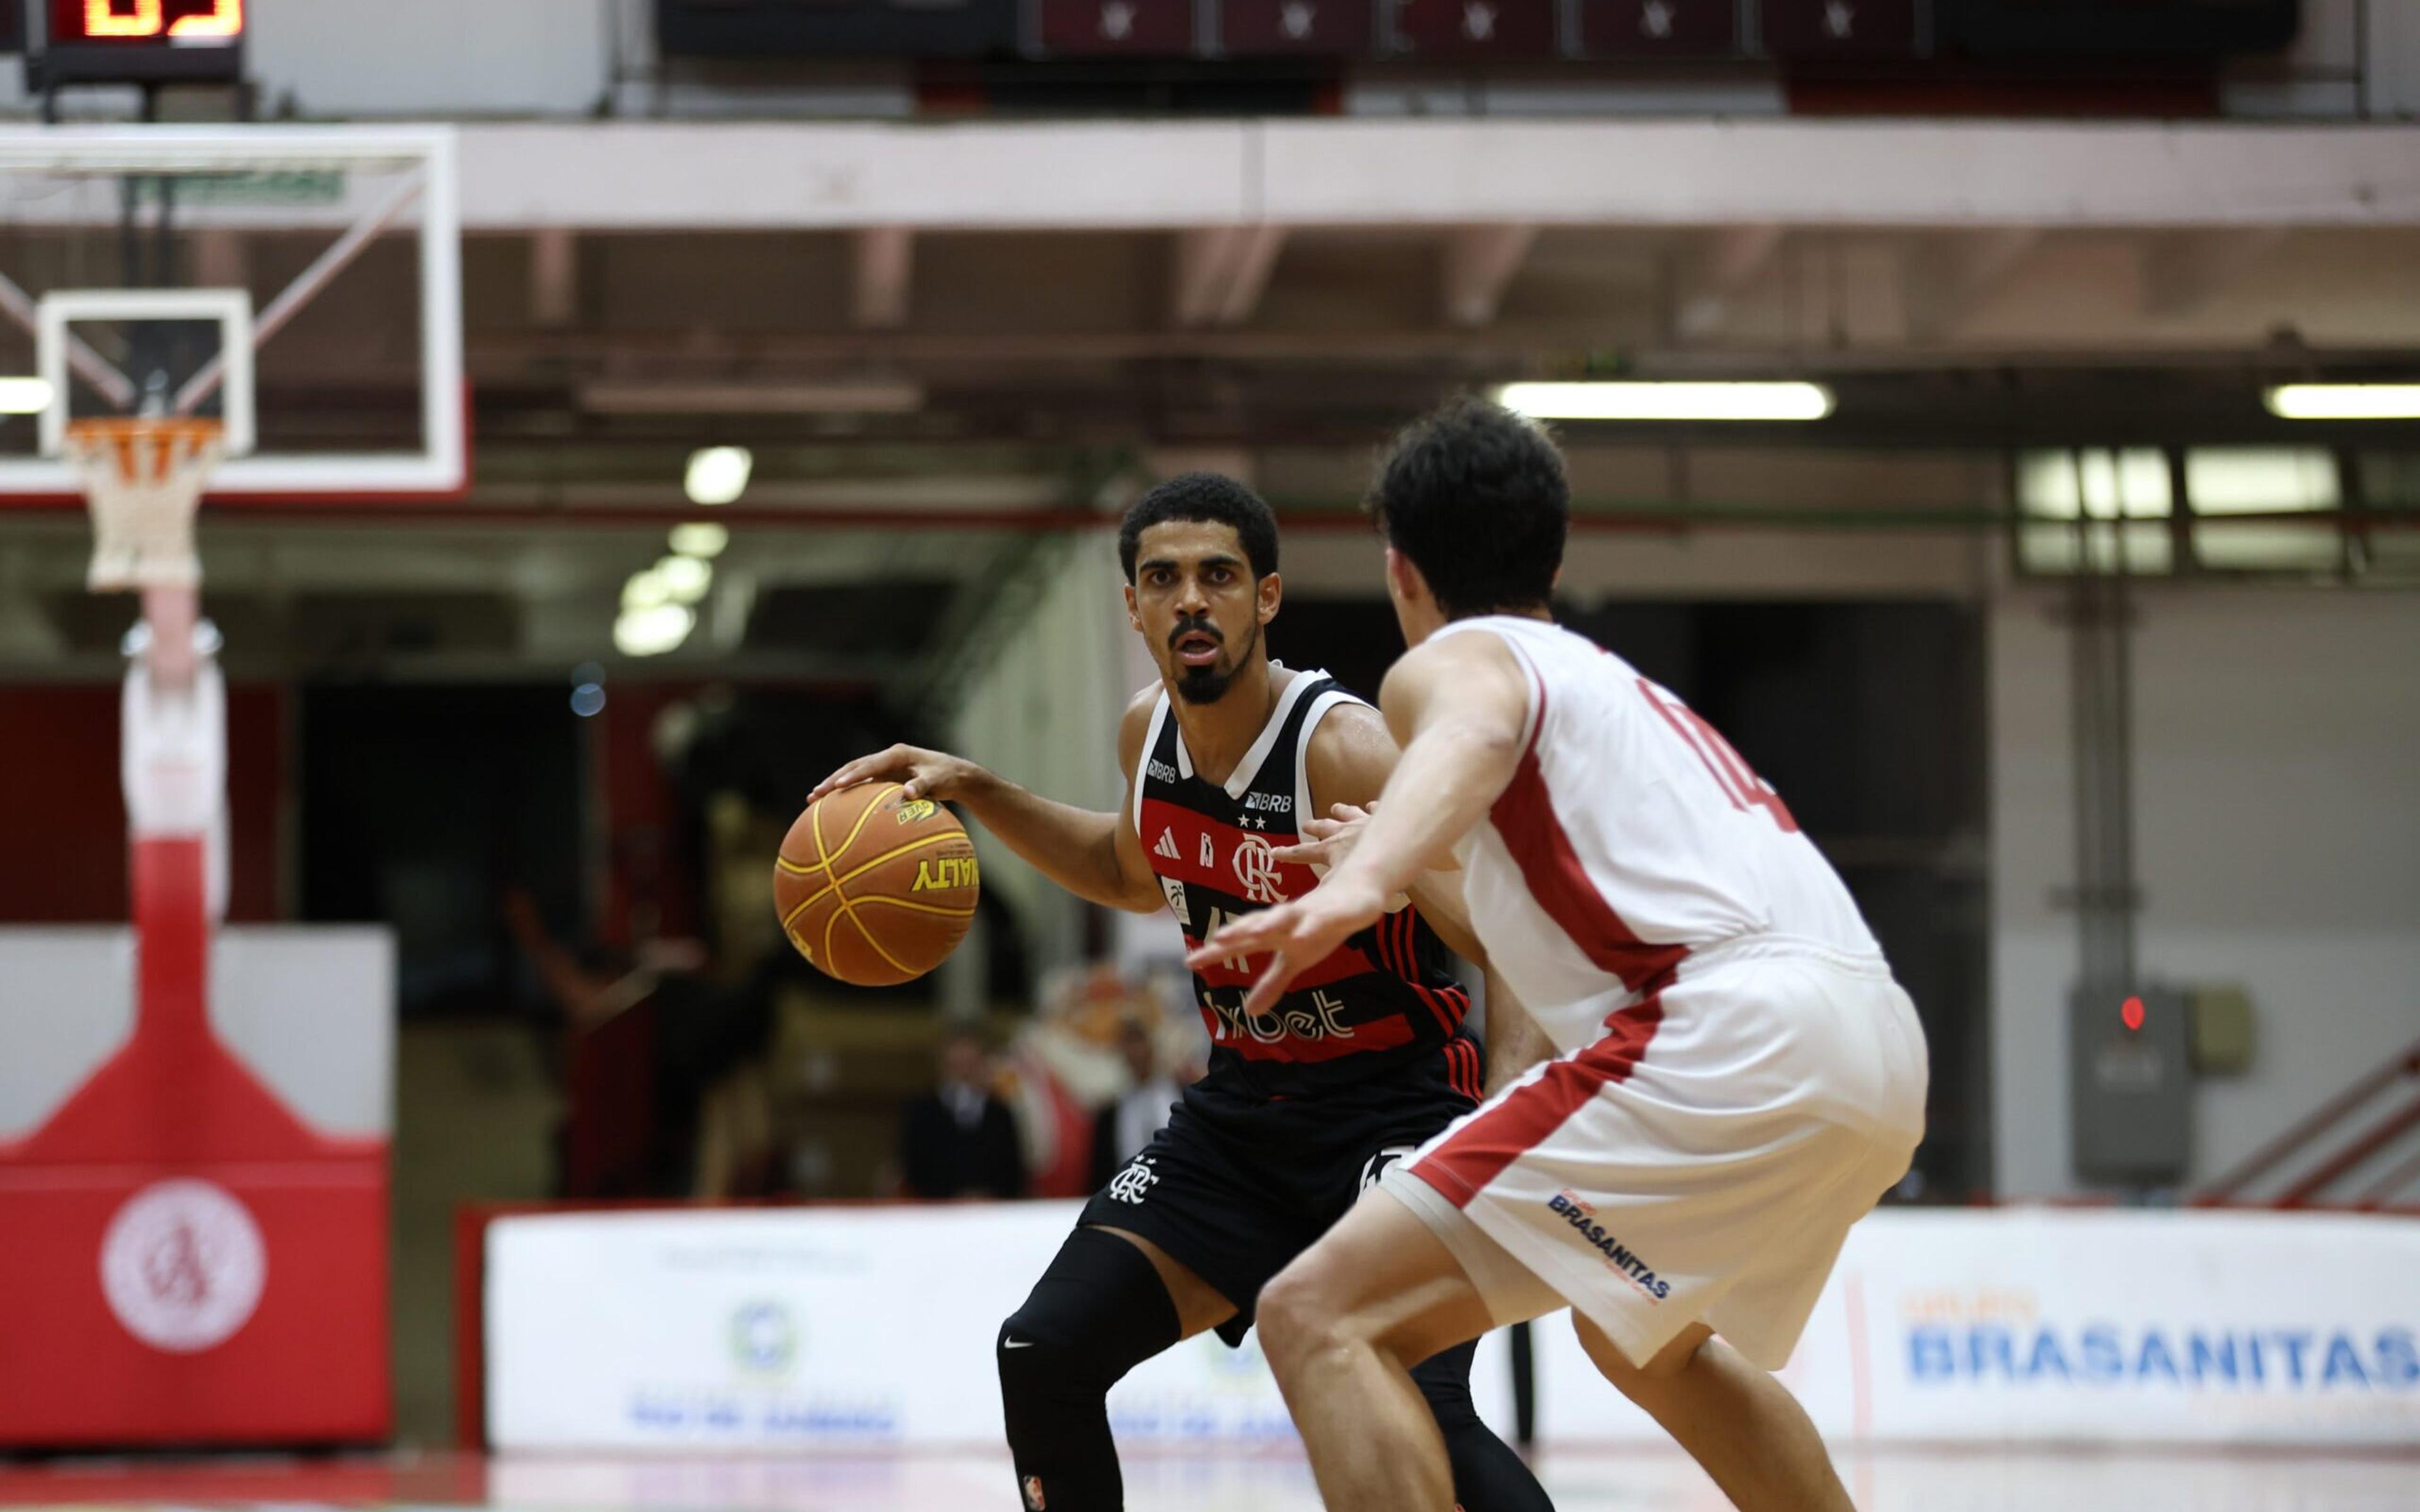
column 1203, row 498
column 1475, row 496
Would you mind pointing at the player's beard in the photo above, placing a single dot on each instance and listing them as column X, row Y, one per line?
column 1208, row 684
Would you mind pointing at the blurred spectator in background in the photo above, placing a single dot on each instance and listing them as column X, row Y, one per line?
column 707, row 1128
column 959, row 1140
column 1129, row 1120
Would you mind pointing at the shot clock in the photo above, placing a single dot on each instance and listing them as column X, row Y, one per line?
column 139, row 41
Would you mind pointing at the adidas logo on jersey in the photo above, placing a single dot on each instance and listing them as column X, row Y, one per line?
column 1167, row 846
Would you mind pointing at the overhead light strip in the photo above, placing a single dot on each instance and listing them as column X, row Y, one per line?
column 1741, row 401
column 2344, row 401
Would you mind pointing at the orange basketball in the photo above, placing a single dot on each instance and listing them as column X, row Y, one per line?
column 873, row 888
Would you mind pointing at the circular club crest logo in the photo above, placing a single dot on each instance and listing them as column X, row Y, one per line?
column 764, row 1340
column 182, row 1265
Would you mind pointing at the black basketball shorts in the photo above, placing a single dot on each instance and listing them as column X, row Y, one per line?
column 1232, row 1189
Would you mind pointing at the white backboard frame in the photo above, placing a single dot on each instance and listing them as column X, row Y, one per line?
column 230, row 309
column 440, row 469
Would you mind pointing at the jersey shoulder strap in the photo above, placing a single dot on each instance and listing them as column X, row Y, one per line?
column 1153, row 737
column 1315, row 707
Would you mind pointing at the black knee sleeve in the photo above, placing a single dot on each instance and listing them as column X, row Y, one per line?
column 1488, row 1476
column 1099, row 1311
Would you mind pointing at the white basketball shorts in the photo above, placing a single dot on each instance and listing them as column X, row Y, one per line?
column 1701, row 1163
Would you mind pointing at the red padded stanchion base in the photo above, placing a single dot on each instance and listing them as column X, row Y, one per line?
column 306, row 1361
column 185, row 1261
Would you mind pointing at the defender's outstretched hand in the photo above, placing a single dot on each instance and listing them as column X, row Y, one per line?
column 1297, row 935
column 1327, row 842
column 925, row 774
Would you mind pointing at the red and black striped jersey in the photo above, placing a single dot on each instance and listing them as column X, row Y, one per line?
column 1382, row 1004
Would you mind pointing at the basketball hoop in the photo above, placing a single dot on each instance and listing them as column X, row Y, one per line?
column 143, row 478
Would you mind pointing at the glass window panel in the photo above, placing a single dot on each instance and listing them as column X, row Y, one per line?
column 2390, row 480
column 2259, row 480
column 2107, row 484
column 2057, row 549
column 2267, row 548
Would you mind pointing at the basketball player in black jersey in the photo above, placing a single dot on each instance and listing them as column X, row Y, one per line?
column 1228, row 758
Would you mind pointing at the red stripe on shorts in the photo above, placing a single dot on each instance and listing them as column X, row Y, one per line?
column 1475, row 1155
column 1525, row 820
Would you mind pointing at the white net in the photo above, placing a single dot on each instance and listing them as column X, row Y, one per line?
column 143, row 478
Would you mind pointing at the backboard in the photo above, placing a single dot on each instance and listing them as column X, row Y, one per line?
column 299, row 285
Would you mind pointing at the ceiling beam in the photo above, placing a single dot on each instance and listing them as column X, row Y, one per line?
column 885, row 277
column 1254, row 262
column 1480, row 262
column 1074, row 175
column 554, row 277
column 1221, row 273
column 1716, row 269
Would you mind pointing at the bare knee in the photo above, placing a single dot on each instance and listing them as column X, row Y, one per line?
column 1295, row 1315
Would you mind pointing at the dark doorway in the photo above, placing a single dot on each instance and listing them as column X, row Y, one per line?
column 422, row 806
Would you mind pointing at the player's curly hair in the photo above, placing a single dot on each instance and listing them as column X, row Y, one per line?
column 1205, row 497
column 1475, row 496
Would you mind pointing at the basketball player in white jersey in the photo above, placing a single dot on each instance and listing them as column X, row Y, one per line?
column 1226, row 754
column 1739, row 1078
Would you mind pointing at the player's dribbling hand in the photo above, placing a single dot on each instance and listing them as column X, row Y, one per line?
column 1296, row 935
column 922, row 774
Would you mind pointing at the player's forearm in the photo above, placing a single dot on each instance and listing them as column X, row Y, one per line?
column 1442, row 787
column 1076, row 848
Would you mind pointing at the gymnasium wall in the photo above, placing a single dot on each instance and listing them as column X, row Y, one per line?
column 2277, row 792
column 1040, row 705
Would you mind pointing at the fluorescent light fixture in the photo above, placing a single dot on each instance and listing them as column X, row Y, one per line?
column 717, row 474
column 685, row 579
column 2344, row 401
column 651, row 632
column 1666, row 401
column 699, row 538
column 25, row 395
column 646, row 589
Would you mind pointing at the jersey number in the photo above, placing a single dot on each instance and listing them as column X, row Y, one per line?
column 1741, row 785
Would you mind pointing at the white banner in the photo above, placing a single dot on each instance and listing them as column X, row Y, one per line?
column 875, row 1326
column 803, row 1327
column 2086, row 1325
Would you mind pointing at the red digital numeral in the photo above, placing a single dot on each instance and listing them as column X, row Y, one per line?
column 1739, row 784
column 149, row 18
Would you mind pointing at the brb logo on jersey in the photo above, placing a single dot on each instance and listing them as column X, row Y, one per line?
column 1256, row 869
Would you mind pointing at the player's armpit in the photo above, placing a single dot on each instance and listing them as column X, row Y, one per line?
column 1514, row 1041
column 1438, row 897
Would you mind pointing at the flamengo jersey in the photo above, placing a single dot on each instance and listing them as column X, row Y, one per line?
column 1632, row 836
column 1382, row 1001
